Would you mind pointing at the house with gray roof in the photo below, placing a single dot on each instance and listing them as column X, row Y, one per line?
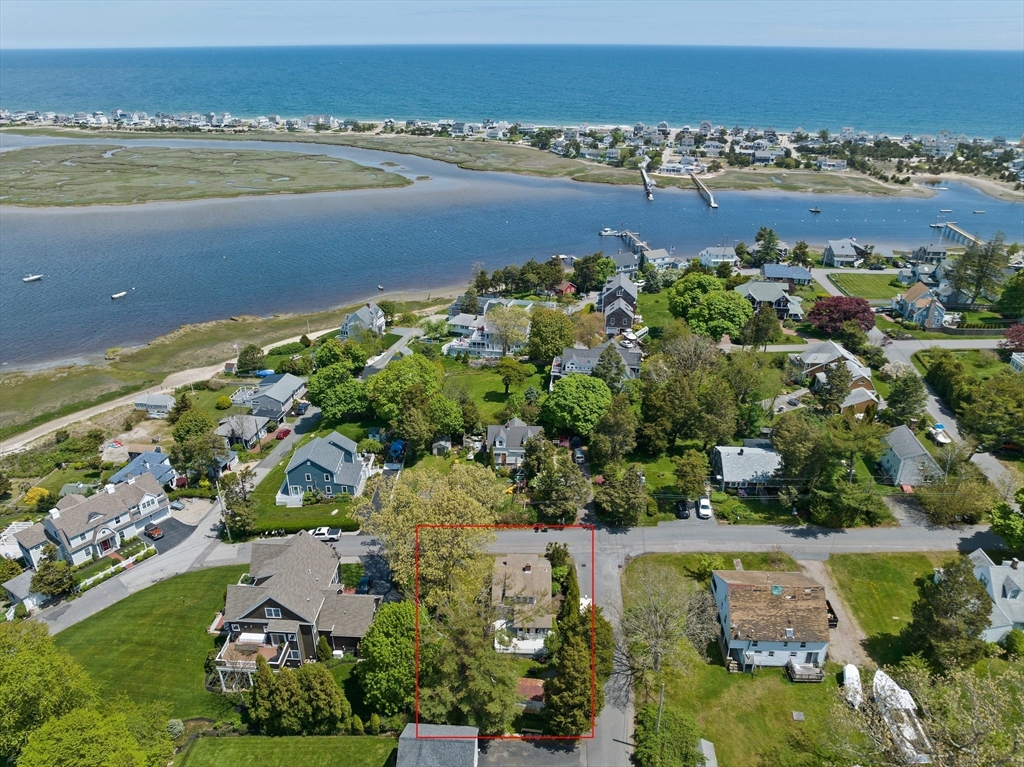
column 330, row 464
column 745, row 467
column 95, row 526
column 155, row 405
column 583, row 361
column 273, row 398
column 1005, row 586
column 772, row 294
column 156, row 463
column 367, row 317
column 243, row 429
column 290, row 598
column 618, row 286
column 19, row 592
column 815, row 359
column 845, row 252
column 794, row 275
column 906, row 460
column 507, row 442
column 932, row 253
column 438, row 745
column 716, row 256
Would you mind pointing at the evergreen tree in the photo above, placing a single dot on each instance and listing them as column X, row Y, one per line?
column 610, row 368
column 323, row 650
column 289, row 705
column 907, row 398
column 762, row 328
column 570, row 611
column 53, row 575
column 980, row 270
column 615, row 434
column 324, row 703
column 250, row 358
column 836, row 387
column 260, row 705
column 569, row 694
column 470, row 303
column 182, row 404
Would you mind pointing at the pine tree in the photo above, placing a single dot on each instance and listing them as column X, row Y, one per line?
column 260, row 704
column 568, row 694
column 290, row 711
column 610, row 368
column 325, row 704
column 182, row 404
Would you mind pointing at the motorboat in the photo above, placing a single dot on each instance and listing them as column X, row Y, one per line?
column 380, row 287
column 122, row 294
column 608, row 232
column 939, row 434
column 979, row 212
column 815, row 210
column 853, row 691
column 32, row 278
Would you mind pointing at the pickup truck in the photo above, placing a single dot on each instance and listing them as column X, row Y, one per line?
column 326, row 534
column 833, row 619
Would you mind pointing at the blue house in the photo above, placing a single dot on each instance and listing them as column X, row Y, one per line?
column 156, row 463
column 329, row 464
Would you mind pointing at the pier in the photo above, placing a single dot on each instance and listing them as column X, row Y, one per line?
column 704, row 192
column 632, row 239
column 953, row 232
column 648, row 184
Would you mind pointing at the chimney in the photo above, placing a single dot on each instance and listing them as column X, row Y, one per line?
column 1014, row 563
column 54, row 513
column 130, row 480
column 111, row 489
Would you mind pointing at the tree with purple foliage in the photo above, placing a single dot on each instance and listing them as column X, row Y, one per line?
column 829, row 314
column 1013, row 338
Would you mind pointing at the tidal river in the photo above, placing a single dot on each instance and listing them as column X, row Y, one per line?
column 185, row 262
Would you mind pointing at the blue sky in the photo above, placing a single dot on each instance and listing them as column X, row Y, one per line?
column 936, row 24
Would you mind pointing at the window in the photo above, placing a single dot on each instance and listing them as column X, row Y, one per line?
column 293, row 655
column 792, row 655
column 291, row 637
column 272, row 612
column 309, row 488
column 771, row 653
column 235, row 627
column 803, row 644
column 327, row 477
column 309, row 477
column 754, row 643
column 344, row 490
column 328, row 490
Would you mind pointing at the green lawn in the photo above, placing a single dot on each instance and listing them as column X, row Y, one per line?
column 57, row 478
column 869, row 286
column 684, row 564
column 342, row 673
column 654, row 308
column 485, row 386
column 879, row 589
column 152, row 645
column 748, row 718
column 321, row 751
column 752, row 511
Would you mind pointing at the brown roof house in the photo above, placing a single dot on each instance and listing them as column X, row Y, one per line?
column 521, row 589
column 920, row 305
column 770, row 619
column 291, row 596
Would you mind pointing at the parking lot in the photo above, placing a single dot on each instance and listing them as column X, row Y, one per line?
column 174, row 533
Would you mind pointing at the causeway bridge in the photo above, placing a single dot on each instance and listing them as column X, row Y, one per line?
column 704, row 191
column 953, row 232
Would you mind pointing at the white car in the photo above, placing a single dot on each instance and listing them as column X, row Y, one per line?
column 326, row 534
column 704, row 508
column 938, row 433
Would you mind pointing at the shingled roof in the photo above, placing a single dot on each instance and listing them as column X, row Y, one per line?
column 763, row 605
column 438, row 745
column 78, row 514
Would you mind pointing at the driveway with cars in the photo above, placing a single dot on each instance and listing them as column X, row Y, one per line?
column 175, row 533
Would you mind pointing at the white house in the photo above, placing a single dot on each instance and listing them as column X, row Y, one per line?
column 770, row 619
column 368, row 317
column 712, row 257
column 155, row 405
column 845, row 252
column 831, row 163
column 521, row 590
column 82, row 528
column 906, row 460
column 1017, row 362
column 1005, row 586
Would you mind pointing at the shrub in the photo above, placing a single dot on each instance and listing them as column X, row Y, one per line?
column 356, row 725
column 1013, row 642
column 296, row 347
column 374, row 727
column 175, row 728
column 223, row 402
column 61, row 435
column 215, row 384
column 21, row 611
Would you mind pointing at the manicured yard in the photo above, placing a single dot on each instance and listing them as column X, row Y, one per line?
column 486, row 388
column 654, row 308
column 151, row 646
column 258, row 751
column 869, row 286
column 348, row 683
column 57, row 478
column 879, row 589
column 748, row 718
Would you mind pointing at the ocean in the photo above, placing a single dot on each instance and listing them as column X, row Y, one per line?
column 184, row 262
column 969, row 92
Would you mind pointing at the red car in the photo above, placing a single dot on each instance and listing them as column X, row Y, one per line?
column 282, row 433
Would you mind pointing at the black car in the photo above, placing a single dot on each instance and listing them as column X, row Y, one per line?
column 877, row 267
column 682, row 510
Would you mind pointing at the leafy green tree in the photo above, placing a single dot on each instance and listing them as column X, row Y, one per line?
column 182, row 404
column 389, row 309
column 8, row 569
column 45, row 501
column 39, row 682
column 198, row 456
column 576, row 403
column 835, row 503
column 568, row 694
column 762, row 328
column 610, row 368
column 1008, row 524
column 715, row 420
column 958, row 497
column 259, row 705
column 289, row 705
column 949, row 615
column 724, row 270
column 855, row 438
column 193, row 423
column 559, row 491
column 84, row 738
column 5, row 484
column 539, row 455
column 803, row 447
column 907, row 397
column 622, row 498
column 980, row 270
column 651, row 277
column 512, row 372
column 836, row 387
column 995, row 411
column 386, row 673
column 416, row 429
column 1011, row 301
column 324, row 703
column 325, row 380
column 667, row 741
column 614, row 436
column 445, row 415
column 723, row 312
column 511, row 326
column 687, row 292
column 240, row 519
column 347, row 399
column 435, row 329
column 852, row 336
column 800, row 255
column 692, row 469
column 387, row 389
column 551, row 331
column 53, row 575
column 332, row 352
column 250, row 358
column 588, row 328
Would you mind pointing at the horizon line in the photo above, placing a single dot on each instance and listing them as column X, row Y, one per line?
column 509, row 45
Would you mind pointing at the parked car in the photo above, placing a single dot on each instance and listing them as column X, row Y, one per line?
column 1011, row 447
column 326, row 534
column 704, row 508
column 282, row 433
column 301, row 408
column 793, row 401
column 364, row 585
column 877, row 267
column 153, row 532
column 578, row 456
column 177, row 505
column 683, row 509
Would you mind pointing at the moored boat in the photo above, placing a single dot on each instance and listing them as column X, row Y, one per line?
column 32, row 278
column 815, row 210
column 122, row 294
column 380, row 287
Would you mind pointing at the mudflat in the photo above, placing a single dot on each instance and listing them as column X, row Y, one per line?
column 104, row 175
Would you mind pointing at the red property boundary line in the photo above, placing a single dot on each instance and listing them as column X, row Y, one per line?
column 593, row 634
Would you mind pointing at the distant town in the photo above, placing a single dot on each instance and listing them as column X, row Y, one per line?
column 669, row 150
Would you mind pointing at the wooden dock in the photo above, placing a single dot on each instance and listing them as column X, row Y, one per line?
column 953, row 232
column 632, row 239
column 704, row 192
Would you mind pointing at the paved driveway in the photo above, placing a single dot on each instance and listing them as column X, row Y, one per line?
column 175, row 533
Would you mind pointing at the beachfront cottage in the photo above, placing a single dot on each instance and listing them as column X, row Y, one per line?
column 1005, row 586
column 243, row 429
column 155, row 405
column 331, row 465
column 272, row 398
column 438, row 745
column 846, row 252
column 770, row 619
column 366, row 317
column 715, row 257
column 507, row 442
column 521, row 590
column 906, row 460
column 82, row 528
column 794, row 275
column 290, row 598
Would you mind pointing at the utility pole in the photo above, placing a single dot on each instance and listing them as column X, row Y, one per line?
column 661, row 704
column 224, row 517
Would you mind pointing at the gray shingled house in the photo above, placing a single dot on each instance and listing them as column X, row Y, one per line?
column 507, row 442
column 367, row 317
column 330, row 464
column 291, row 596
column 583, row 361
column 438, row 745
column 746, row 467
column 906, row 460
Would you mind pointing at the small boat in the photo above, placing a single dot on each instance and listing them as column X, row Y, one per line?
column 650, row 195
column 853, row 691
column 380, row 287
column 122, row 294
column 937, row 226
column 979, row 212
column 945, row 210
column 32, row 278
column 608, row 232
column 815, row 210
